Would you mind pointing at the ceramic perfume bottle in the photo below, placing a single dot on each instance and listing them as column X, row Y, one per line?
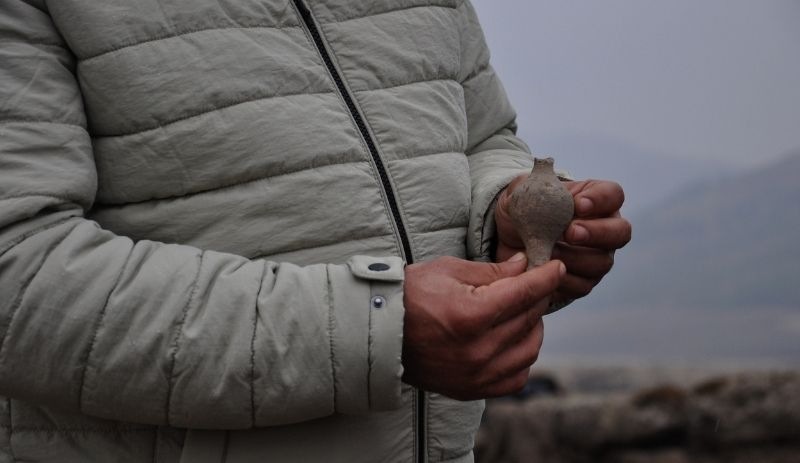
column 541, row 208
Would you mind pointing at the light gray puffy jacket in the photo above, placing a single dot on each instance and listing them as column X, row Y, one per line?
column 200, row 201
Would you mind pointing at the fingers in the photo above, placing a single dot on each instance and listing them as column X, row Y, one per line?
column 607, row 233
column 505, row 298
column 482, row 273
column 509, row 332
column 585, row 268
column 596, row 198
column 574, row 287
column 509, row 372
column 460, row 339
column 584, row 262
column 597, row 223
column 516, row 336
column 505, row 371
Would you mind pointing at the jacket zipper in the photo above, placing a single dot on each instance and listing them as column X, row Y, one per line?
column 420, row 446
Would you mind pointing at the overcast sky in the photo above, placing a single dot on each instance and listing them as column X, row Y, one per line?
column 706, row 79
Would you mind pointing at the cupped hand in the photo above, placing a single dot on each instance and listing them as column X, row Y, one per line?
column 472, row 330
column 587, row 246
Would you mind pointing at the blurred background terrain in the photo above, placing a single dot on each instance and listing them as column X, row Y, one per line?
column 694, row 107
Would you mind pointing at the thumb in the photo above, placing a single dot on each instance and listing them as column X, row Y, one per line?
column 512, row 296
column 485, row 273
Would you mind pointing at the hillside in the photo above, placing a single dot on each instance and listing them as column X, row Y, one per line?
column 723, row 244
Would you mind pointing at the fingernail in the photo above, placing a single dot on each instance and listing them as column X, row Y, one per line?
column 562, row 269
column 517, row 257
column 584, row 205
column 579, row 234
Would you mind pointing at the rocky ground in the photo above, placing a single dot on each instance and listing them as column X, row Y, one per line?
column 583, row 417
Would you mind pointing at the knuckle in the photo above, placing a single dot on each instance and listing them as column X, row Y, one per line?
column 486, row 377
column 477, row 357
column 520, row 381
column 627, row 231
column 617, row 233
column 495, row 270
column 486, row 272
column 617, row 189
column 615, row 192
column 533, row 357
column 468, row 325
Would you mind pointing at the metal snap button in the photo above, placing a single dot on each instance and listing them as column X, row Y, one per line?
column 379, row 267
column 378, row 302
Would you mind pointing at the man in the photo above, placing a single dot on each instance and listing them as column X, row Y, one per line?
column 229, row 229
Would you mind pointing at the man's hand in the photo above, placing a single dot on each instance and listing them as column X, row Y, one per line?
column 587, row 247
column 472, row 330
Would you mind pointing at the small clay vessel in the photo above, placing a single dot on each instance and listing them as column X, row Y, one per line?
column 541, row 208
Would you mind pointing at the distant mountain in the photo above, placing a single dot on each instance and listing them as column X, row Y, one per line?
column 726, row 243
column 647, row 176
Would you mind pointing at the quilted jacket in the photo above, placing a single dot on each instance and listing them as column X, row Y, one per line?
column 205, row 210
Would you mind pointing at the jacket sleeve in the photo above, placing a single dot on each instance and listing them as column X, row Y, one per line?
column 161, row 333
column 496, row 155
